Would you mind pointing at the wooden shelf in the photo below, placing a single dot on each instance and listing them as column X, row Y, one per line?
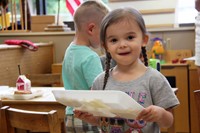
column 157, row 11
column 181, row 112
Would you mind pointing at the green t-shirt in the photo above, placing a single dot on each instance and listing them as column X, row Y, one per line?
column 81, row 65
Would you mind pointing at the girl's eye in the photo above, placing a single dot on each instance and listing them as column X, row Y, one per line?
column 113, row 40
column 130, row 37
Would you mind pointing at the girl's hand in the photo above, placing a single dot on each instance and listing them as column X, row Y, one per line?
column 87, row 117
column 156, row 114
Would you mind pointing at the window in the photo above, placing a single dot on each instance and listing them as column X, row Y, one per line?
column 52, row 9
column 186, row 11
column 48, row 7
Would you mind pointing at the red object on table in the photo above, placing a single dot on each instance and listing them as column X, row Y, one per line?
column 24, row 43
column 175, row 61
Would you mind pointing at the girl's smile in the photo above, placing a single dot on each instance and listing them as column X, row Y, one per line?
column 124, row 53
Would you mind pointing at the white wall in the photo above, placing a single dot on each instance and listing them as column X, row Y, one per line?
column 145, row 4
column 152, row 19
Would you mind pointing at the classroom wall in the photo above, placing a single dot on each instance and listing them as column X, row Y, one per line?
column 156, row 13
column 151, row 19
column 177, row 39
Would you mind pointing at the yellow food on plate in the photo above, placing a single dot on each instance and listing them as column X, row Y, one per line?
column 22, row 92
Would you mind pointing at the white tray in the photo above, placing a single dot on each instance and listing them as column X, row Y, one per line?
column 100, row 103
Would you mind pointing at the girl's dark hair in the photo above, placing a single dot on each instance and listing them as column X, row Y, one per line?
column 114, row 17
column 144, row 56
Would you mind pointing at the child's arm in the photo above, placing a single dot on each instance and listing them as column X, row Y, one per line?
column 89, row 118
column 153, row 113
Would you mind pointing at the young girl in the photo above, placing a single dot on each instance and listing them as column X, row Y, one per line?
column 124, row 37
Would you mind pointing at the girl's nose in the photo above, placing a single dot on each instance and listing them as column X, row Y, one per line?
column 123, row 44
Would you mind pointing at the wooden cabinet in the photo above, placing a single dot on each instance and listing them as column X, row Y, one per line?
column 30, row 61
column 56, row 68
column 194, row 85
column 177, row 75
column 186, row 119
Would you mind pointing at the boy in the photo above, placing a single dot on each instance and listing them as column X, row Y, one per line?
column 81, row 64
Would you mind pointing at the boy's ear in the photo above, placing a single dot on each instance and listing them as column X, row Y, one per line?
column 91, row 27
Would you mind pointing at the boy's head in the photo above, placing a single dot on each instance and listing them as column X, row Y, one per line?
column 87, row 20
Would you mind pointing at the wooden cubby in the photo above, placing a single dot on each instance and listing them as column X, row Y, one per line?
column 180, row 74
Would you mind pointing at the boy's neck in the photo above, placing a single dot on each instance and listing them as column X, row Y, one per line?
column 81, row 40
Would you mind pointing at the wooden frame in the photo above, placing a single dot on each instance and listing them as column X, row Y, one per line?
column 47, row 79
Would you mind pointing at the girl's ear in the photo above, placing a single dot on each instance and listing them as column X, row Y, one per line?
column 90, row 28
column 145, row 40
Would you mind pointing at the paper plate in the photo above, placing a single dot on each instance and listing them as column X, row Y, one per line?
column 10, row 95
column 100, row 103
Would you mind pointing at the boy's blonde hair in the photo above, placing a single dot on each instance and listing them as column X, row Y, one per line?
column 90, row 11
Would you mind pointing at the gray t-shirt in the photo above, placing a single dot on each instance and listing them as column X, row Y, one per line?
column 152, row 88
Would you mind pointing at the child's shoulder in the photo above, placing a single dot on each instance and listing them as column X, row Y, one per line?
column 153, row 72
column 101, row 76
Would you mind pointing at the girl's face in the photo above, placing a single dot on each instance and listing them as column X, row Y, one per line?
column 124, row 40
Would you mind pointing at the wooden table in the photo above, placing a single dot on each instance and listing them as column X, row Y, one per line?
column 45, row 103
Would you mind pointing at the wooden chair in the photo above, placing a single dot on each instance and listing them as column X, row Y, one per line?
column 29, row 121
column 197, row 101
column 50, row 79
